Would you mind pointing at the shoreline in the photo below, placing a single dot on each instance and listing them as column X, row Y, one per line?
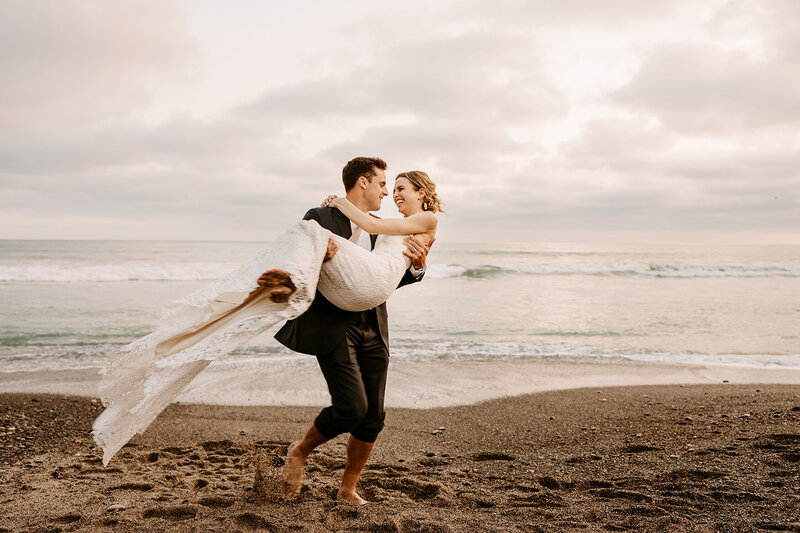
column 674, row 458
column 416, row 384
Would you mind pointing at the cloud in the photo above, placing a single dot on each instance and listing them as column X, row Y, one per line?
column 557, row 13
column 621, row 144
column 452, row 108
column 535, row 119
column 698, row 89
column 70, row 60
column 432, row 78
column 743, row 75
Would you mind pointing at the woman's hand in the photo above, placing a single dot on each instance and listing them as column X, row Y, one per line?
column 328, row 200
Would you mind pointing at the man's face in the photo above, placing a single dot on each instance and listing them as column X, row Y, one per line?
column 376, row 190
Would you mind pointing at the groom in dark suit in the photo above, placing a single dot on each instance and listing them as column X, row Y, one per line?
column 352, row 348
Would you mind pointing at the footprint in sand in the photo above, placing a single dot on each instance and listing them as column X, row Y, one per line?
column 423, row 526
column 217, row 501
column 68, row 518
column 642, row 511
column 254, row 521
column 621, row 494
column 543, row 499
column 596, row 484
column 416, row 490
column 552, row 483
column 144, row 487
column 691, row 475
column 492, row 456
column 175, row 512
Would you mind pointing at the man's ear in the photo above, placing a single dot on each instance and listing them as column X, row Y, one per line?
column 363, row 182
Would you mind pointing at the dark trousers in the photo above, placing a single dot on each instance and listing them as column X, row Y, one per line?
column 356, row 375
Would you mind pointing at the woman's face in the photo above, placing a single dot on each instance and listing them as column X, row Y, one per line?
column 407, row 200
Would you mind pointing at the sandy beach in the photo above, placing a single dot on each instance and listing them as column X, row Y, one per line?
column 668, row 458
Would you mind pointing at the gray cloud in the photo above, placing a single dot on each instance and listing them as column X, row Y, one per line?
column 73, row 61
column 432, row 78
column 522, row 14
column 699, row 89
column 705, row 88
column 703, row 135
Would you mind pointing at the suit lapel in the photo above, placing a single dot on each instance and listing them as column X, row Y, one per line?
column 342, row 224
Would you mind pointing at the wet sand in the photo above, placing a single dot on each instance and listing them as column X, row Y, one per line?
column 654, row 458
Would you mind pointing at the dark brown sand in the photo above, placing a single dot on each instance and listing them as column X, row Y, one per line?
column 667, row 458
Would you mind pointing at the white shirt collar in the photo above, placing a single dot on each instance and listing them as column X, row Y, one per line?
column 364, row 239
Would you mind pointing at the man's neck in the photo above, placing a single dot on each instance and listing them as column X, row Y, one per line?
column 358, row 201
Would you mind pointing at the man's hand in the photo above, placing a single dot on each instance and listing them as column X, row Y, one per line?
column 279, row 283
column 417, row 251
column 331, row 250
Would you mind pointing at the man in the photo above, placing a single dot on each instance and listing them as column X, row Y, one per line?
column 352, row 348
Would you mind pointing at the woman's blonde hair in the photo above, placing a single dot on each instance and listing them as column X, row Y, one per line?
column 420, row 180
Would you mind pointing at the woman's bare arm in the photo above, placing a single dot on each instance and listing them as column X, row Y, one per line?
column 424, row 222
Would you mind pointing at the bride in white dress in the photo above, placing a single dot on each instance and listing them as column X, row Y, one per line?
column 142, row 378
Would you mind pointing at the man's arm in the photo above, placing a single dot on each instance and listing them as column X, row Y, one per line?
column 313, row 214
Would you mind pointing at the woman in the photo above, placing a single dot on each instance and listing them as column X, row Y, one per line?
column 357, row 279
column 142, row 378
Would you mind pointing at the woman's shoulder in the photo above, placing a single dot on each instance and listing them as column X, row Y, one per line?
column 429, row 217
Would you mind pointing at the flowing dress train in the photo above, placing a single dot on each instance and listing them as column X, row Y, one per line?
column 142, row 378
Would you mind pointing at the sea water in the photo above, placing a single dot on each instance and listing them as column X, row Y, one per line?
column 64, row 305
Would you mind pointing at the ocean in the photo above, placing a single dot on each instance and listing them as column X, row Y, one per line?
column 483, row 317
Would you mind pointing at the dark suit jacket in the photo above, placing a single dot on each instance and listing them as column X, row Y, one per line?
column 322, row 327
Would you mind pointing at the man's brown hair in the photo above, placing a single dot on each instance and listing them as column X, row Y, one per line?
column 360, row 166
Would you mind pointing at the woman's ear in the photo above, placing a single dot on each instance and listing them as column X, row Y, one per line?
column 421, row 193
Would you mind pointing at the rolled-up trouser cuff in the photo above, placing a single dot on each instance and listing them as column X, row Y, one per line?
column 366, row 436
column 328, row 428
column 324, row 426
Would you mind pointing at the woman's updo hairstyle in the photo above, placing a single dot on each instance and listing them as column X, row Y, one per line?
column 421, row 180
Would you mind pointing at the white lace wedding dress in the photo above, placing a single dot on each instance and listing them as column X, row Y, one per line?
column 142, row 378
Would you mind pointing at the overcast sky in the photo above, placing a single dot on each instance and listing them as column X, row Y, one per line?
column 562, row 120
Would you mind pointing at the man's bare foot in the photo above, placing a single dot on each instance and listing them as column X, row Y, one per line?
column 279, row 282
column 350, row 496
column 293, row 472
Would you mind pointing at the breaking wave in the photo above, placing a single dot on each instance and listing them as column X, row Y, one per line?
column 648, row 270
column 210, row 271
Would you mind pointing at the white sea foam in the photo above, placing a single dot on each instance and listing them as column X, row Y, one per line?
column 648, row 270
column 111, row 272
column 209, row 271
column 445, row 350
column 444, row 353
column 411, row 383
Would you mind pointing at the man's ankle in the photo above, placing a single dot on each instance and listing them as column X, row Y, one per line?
column 296, row 449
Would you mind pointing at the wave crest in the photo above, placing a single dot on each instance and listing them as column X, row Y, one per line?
column 647, row 270
column 210, row 271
